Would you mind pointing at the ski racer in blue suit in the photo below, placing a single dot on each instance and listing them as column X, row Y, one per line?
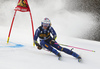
column 49, row 42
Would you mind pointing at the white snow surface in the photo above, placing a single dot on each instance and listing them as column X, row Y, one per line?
column 29, row 57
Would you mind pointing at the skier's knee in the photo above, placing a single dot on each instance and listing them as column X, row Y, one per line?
column 60, row 48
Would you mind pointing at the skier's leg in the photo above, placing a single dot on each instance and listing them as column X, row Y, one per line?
column 70, row 52
column 47, row 46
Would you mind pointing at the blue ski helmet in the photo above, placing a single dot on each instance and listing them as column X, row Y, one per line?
column 46, row 22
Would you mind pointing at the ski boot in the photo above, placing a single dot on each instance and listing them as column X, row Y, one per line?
column 59, row 56
column 79, row 59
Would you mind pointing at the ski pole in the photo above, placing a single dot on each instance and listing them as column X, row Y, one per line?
column 77, row 47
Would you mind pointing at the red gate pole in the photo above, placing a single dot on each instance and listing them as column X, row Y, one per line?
column 32, row 26
column 11, row 27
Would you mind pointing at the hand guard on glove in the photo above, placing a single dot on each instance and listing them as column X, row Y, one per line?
column 38, row 46
column 52, row 42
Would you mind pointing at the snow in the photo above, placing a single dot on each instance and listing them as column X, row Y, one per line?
column 29, row 57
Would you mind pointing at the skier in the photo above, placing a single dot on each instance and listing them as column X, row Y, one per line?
column 48, row 42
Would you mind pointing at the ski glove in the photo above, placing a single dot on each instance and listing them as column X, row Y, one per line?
column 38, row 45
column 52, row 41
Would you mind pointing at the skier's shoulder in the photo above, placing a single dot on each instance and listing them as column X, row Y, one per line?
column 51, row 28
column 39, row 28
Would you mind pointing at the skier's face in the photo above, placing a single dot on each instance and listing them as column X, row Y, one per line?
column 44, row 27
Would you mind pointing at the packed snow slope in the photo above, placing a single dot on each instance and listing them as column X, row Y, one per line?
column 28, row 56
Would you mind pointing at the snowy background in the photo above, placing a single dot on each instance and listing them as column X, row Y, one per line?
column 79, row 19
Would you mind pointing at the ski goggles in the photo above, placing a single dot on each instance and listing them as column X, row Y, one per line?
column 45, row 25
